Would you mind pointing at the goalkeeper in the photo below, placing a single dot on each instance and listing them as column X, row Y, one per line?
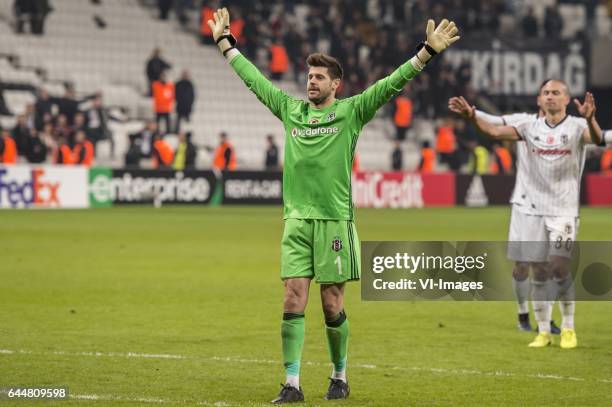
column 319, row 240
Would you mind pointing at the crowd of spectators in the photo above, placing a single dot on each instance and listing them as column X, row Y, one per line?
column 369, row 42
column 61, row 130
column 369, row 38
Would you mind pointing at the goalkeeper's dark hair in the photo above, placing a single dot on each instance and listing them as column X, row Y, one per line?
column 331, row 63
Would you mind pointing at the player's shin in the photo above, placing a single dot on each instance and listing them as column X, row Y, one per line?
column 567, row 303
column 337, row 330
column 292, row 333
column 521, row 290
column 541, row 305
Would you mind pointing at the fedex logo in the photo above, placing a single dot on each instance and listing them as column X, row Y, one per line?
column 35, row 191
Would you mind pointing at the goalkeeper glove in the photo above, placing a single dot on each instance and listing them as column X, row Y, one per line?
column 220, row 28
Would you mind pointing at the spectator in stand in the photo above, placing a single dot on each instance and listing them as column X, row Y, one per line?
column 271, row 163
column 446, row 144
column 428, row 158
column 186, row 153
column 397, row 157
column 488, row 16
column 163, row 98
column 444, row 88
column 21, row 134
column 133, row 154
column 96, row 119
column 146, row 138
column 163, row 156
column 33, row 11
column 30, row 115
column 62, row 130
column 42, row 108
column 185, row 96
column 4, row 110
column 225, row 156
column 164, row 7
column 78, row 125
column 22, row 11
column 67, row 105
column 40, row 10
column 141, row 144
column 530, row 24
column 279, row 60
column 156, row 65
column 402, row 114
column 478, row 163
column 292, row 40
column 36, row 149
column 237, row 24
column 464, row 77
column 62, row 154
column 47, row 136
column 8, row 148
column 83, row 151
column 206, row 13
column 501, row 162
column 553, row 22
column 182, row 7
column 423, row 96
column 606, row 161
column 594, row 160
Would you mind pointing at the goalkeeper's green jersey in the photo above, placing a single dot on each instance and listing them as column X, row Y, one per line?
column 320, row 143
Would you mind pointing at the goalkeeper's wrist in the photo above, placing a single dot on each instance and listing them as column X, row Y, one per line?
column 420, row 59
column 227, row 49
column 224, row 44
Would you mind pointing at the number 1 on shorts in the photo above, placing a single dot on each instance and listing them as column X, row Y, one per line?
column 339, row 263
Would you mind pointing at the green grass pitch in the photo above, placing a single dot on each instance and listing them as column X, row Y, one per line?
column 182, row 306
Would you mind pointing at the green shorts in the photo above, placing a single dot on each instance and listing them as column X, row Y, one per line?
column 326, row 250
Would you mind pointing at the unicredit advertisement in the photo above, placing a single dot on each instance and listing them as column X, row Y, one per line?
column 379, row 189
column 23, row 186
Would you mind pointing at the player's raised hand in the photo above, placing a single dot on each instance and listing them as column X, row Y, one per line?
column 221, row 23
column 461, row 106
column 442, row 36
column 586, row 109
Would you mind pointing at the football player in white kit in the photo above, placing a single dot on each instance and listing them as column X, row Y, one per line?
column 520, row 273
column 546, row 206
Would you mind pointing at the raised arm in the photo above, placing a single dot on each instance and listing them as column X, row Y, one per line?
column 460, row 106
column 271, row 96
column 438, row 39
column 593, row 133
column 490, row 118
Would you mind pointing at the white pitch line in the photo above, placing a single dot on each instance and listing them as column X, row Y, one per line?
column 149, row 400
column 460, row 372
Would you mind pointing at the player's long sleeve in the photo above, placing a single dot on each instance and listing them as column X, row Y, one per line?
column 271, row 96
column 489, row 118
column 368, row 102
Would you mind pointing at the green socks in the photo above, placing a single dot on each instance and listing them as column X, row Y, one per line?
column 292, row 333
column 337, row 330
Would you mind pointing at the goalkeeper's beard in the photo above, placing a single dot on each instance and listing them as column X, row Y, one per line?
column 322, row 97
